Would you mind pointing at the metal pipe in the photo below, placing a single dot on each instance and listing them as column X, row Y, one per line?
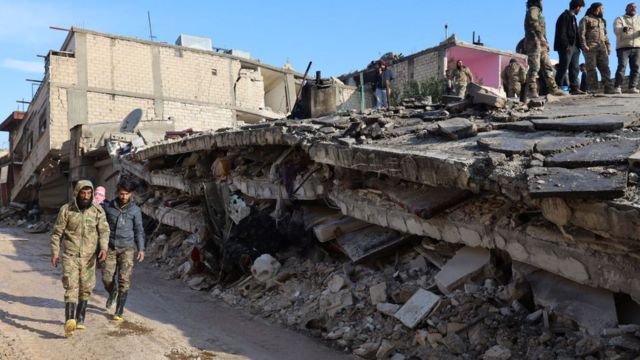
column 362, row 102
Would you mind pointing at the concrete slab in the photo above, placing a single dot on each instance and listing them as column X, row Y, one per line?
column 457, row 128
column 508, row 145
column 593, row 309
column 520, row 126
column 579, row 124
column 332, row 229
column 634, row 162
column 557, row 144
column 600, row 154
column 339, row 122
column 485, row 96
column 370, row 241
column 417, row 308
column 426, row 202
column 576, row 183
column 466, row 264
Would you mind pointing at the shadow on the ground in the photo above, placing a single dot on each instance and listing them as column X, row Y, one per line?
column 31, row 300
column 17, row 322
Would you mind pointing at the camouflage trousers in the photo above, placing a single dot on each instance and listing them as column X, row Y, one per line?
column 514, row 89
column 78, row 277
column 460, row 89
column 119, row 263
column 538, row 59
column 597, row 59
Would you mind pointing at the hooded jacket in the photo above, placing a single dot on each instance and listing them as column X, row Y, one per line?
column 631, row 38
column 80, row 231
column 125, row 225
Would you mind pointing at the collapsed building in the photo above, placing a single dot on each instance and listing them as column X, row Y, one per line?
column 480, row 227
column 549, row 192
column 96, row 80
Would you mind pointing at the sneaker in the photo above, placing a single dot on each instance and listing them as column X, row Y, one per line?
column 634, row 91
column 617, row 90
column 577, row 92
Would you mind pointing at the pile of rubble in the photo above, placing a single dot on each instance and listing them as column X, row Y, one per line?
column 479, row 228
column 420, row 303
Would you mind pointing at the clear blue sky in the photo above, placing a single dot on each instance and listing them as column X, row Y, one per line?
column 337, row 35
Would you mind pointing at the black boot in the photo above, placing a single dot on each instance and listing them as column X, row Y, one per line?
column 122, row 299
column 69, row 318
column 80, row 311
column 111, row 299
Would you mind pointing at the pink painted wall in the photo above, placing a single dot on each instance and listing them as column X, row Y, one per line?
column 485, row 66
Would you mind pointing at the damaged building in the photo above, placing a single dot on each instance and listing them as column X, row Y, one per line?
column 96, row 80
column 432, row 65
column 543, row 199
column 483, row 227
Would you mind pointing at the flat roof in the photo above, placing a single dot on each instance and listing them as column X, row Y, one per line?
column 162, row 44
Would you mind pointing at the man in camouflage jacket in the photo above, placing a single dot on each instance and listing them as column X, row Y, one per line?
column 513, row 76
column 81, row 226
column 596, row 47
column 537, row 50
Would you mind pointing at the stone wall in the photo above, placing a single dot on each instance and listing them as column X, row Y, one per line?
column 420, row 67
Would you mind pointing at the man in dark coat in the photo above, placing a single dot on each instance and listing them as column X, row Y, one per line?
column 567, row 44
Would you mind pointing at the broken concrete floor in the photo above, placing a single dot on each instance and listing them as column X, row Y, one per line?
column 370, row 186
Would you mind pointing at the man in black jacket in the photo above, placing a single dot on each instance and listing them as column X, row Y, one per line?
column 127, row 233
column 567, row 44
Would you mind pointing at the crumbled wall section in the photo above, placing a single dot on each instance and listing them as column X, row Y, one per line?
column 58, row 128
column 250, row 89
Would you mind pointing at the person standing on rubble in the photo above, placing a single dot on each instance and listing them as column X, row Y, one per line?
column 513, row 77
column 127, row 233
column 384, row 77
column 81, row 226
column 460, row 77
column 567, row 44
column 627, row 30
column 537, row 49
column 596, row 47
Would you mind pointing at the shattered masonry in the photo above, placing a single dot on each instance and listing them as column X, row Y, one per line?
column 490, row 201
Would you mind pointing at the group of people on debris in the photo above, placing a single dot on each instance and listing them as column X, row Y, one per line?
column 589, row 37
column 89, row 228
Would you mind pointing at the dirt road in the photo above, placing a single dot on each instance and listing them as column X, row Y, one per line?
column 164, row 319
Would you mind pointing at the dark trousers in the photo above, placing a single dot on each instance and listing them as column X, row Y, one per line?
column 569, row 60
column 625, row 56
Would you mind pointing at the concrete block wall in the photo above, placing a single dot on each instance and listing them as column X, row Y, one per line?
column 198, row 76
column 103, row 108
column 347, row 98
column 197, row 117
column 63, row 70
column 419, row 68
